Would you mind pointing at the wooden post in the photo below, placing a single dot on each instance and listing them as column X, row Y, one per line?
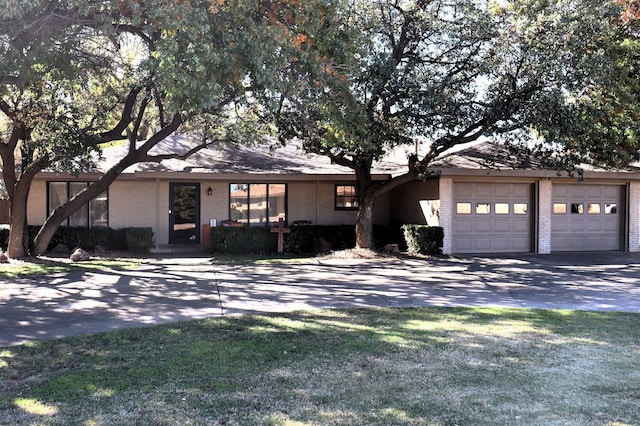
column 281, row 230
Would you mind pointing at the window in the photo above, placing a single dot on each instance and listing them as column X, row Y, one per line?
column 258, row 203
column 483, row 208
column 610, row 208
column 520, row 208
column 577, row 208
column 502, row 208
column 94, row 214
column 559, row 208
column 463, row 208
column 593, row 208
column 346, row 197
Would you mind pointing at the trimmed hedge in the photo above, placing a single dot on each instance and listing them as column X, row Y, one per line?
column 307, row 239
column 135, row 240
column 245, row 240
column 423, row 239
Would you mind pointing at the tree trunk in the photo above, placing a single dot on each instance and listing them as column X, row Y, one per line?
column 135, row 155
column 364, row 223
column 366, row 203
column 18, row 245
column 60, row 214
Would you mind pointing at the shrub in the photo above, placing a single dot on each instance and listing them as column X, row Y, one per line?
column 139, row 240
column 423, row 239
column 318, row 238
column 245, row 240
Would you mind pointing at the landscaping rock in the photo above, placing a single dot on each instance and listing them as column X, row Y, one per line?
column 79, row 255
column 4, row 258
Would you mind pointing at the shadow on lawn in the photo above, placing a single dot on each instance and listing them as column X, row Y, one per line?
column 246, row 366
column 170, row 289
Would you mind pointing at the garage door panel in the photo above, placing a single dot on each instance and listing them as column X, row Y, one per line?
column 502, row 225
column 559, row 226
column 610, row 226
column 594, row 225
column 610, row 243
column 521, row 191
column 492, row 230
column 483, row 225
column 502, row 191
column 482, row 191
column 576, row 225
column 611, row 192
column 502, row 243
column 595, row 228
column 483, row 244
column 463, row 225
column 522, row 226
column 463, row 191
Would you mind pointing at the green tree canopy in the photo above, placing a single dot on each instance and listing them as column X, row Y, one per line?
column 448, row 72
column 77, row 74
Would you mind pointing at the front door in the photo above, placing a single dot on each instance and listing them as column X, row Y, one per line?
column 184, row 213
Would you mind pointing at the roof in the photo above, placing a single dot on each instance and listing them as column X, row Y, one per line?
column 493, row 158
column 238, row 159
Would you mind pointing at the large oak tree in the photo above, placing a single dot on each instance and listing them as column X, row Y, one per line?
column 445, row 73
column 77, row 74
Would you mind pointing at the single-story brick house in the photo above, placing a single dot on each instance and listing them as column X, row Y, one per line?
column 496, row 209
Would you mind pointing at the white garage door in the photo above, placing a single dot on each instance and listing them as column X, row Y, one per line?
column 491, row 218
column 586, row 217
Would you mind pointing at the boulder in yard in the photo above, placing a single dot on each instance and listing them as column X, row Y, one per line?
column 79, row 255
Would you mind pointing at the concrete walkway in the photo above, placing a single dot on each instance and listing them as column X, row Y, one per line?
column 169, row 289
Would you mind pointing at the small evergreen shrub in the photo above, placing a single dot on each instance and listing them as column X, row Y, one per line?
column 423, row 239
column 244, row 240
column 139, row 240
column 136, row 240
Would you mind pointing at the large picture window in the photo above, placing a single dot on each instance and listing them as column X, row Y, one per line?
column 346, row 197
column 258, row 203
column 96, row 213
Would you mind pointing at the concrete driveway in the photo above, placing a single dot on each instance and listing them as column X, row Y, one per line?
column 169, row 289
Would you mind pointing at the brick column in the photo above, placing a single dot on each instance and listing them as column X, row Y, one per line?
column 446, row 213
column 545, row 205
column 634, row 217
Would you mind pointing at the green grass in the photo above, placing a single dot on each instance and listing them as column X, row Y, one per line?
column 337, row 367
column 34, row 267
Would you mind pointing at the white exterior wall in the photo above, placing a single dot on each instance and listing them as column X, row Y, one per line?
column 302, row 202
column 634, row 217
column 140, row 204
column 37, row 203
column 545, row 191
column 214, row 206
column 446, row 213
column 326, row 212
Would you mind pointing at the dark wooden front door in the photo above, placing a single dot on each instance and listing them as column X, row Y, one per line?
column 184, row 213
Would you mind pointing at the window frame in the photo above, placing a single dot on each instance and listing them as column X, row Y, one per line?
column 266, row 204
column 87, row 207
column 355, row 202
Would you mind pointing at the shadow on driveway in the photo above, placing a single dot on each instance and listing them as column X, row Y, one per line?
column 170, row 289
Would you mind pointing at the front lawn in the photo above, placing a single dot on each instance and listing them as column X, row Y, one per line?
column 44, row 266
column 337, row 367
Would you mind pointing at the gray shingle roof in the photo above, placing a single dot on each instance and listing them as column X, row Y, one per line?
column 238, row 159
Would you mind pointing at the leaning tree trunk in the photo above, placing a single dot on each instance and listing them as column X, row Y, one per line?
column 62, row 212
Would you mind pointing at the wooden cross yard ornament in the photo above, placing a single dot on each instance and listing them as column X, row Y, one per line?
column 281, row 230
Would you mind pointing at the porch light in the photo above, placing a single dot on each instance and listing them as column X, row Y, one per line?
column 209, row 191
